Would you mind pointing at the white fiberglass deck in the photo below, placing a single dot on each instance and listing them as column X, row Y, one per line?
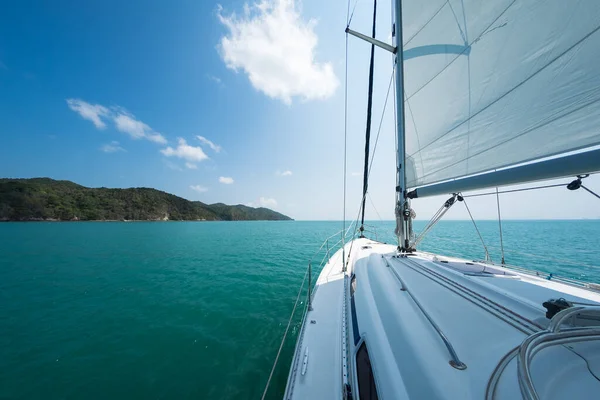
column 399, row 307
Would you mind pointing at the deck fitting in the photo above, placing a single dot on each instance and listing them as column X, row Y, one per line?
column 458, row 365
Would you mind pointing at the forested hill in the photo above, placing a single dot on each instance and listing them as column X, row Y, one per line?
column 45, row 199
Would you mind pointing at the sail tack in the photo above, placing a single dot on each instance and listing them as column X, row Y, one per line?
column 491, row 84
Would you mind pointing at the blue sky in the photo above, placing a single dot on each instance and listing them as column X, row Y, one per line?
column 217, row 102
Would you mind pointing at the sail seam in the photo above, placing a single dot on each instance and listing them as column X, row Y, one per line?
column 426, row 23
column 512, row 89
column 485, row 31
column 516, row 137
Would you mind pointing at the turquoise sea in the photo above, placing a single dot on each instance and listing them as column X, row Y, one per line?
column 195, row 309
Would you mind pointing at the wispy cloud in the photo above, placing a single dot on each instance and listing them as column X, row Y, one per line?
column 263, row 202
column 124, row 120
column 275, row 47
column 215, row 147
column 226, row 180
column 172, row 165
column 127, row 123
column 190, row 165
column 284, row 173
column 215, row 79
column 185, row 151
column 112, row 147
column 198, row 188
column 91, row 112
column 356, row 174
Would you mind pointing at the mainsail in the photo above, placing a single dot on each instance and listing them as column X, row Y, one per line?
column 493, row 84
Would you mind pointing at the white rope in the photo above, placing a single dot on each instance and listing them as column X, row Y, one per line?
column 284, row 336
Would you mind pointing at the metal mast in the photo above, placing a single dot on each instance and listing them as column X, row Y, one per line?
column 403, row 211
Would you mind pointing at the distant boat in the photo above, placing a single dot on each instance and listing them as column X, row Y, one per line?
column 489, row 93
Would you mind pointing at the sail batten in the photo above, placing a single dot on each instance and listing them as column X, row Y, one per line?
column 524, row 86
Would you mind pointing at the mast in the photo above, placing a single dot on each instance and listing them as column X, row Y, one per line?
column 403, row 212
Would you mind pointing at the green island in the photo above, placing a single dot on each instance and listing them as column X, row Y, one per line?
column 45, row 199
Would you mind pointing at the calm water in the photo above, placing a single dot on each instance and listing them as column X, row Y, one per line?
column 193, row 310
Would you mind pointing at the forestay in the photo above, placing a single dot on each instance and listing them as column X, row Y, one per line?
column 490, row 84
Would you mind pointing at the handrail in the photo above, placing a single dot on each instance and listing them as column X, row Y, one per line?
column 308, row 307
column 325, row 242
column 532, row 272
column 455, row 361
column 536, row 342
column 540, row 340
column 561, row 316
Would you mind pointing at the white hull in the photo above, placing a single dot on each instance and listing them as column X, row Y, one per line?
column 402, row 306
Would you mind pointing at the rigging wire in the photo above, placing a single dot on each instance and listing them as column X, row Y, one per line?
column 436, row 217
column 373, row 204
column 349, row 19
column 284, row 336
column 590, row 191
column 487, row 253
column 521, row 253
column 500, row 226
column 369, row 114
column 387, row 96
column 345, row 140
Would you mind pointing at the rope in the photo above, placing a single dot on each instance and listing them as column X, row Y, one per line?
column 500, row 226
column 487, row 253
column 369, row 113
column 284, row 336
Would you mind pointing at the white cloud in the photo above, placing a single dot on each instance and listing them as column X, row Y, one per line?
column 127, row 123
column 215, row 147
column 198, row 188
column 185, row 151
column 356, row 174
column 190, row 165
column 275, row 47
column 263, row 202
column 124, row 121
column 91, row 112
column 112, row 147
column 284, row 173
column 226, row 180
column 213, row 78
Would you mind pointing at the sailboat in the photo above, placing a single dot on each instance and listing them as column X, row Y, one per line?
column 488, row 94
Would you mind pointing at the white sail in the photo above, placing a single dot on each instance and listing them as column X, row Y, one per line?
column 490, row 84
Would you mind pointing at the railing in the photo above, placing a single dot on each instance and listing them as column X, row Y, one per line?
column 529, row 271
column 370, row 229
column 328, row 245
column 533, row 344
